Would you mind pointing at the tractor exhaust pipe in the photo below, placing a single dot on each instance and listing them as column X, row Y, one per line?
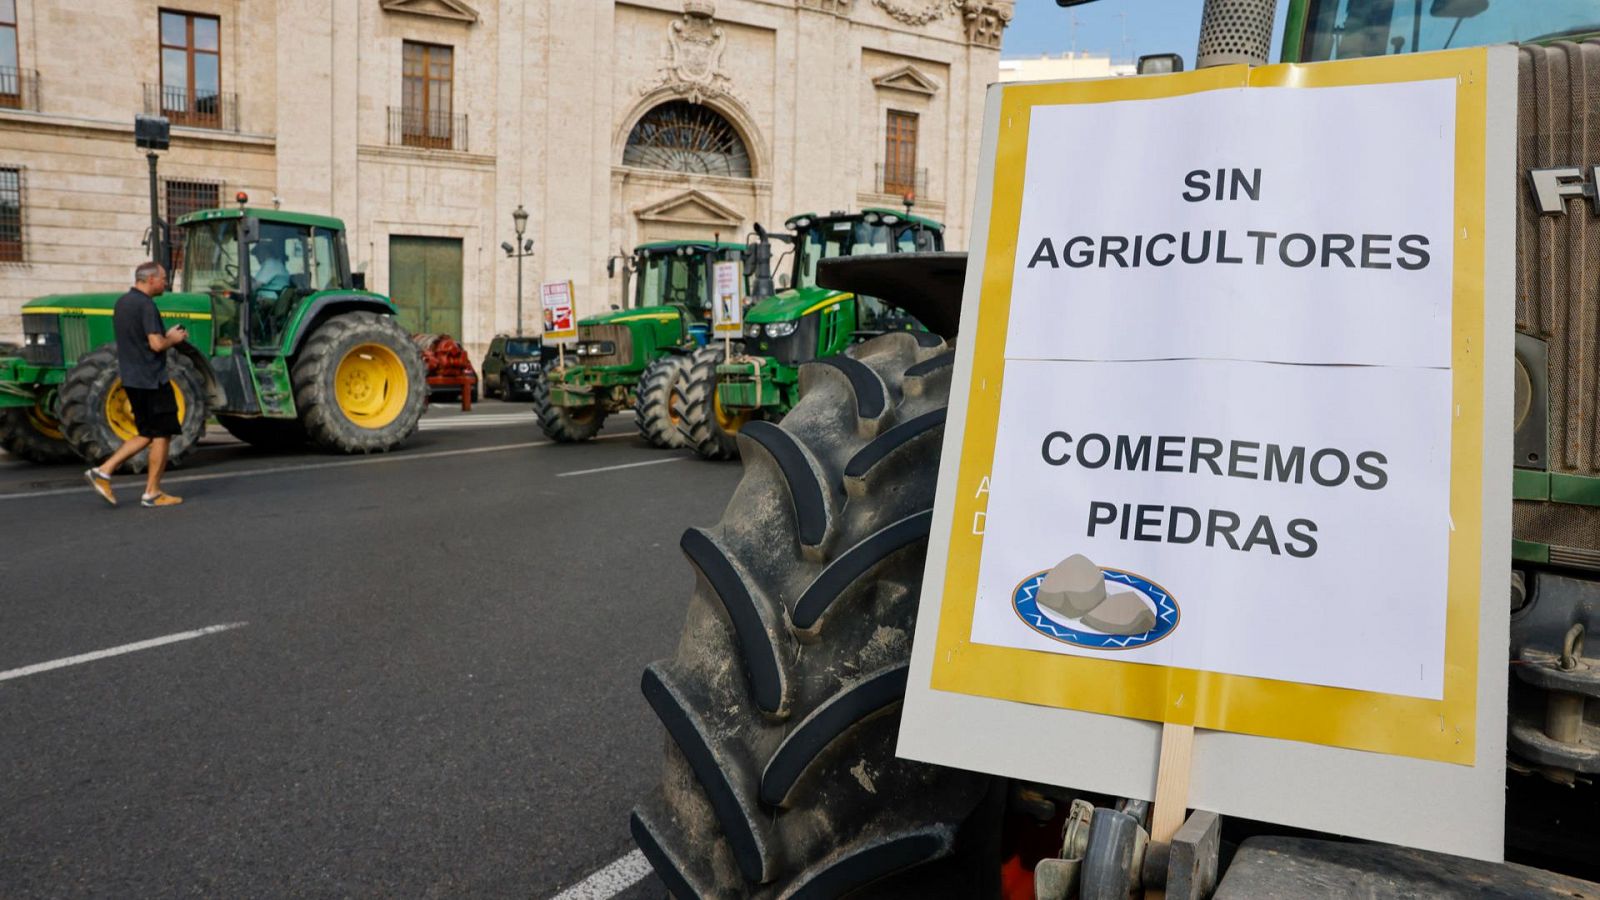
column 1234, row 32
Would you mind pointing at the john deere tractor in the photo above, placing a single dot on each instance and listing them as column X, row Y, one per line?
column 633, row 358
column 285, row 347
column 804, row 323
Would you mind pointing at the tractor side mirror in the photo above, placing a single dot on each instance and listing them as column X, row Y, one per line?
column 358, row 280
column 250, row 229
column 783, row 281
column 611, row 267
column 1160, row 64
column 1457, row 9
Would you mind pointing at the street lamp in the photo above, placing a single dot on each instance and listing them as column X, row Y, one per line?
column 523, row 247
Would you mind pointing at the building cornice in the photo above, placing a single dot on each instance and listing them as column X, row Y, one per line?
column 46, row 123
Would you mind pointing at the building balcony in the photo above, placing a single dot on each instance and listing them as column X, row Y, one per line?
column 430, row 131
column 901, row 181
column 19, row 89
column 192, row 109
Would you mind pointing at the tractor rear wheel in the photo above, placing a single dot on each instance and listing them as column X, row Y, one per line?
column 655, row 412
column 33, row 434
column 564, row 424
column 265, row 434
column 711, row 430
column 96, row 417
column 359, row 384
column 782, row 705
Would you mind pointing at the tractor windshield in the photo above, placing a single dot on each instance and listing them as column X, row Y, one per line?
column 287, row 262
column 669, row 278
column 211, row 256
column 837, row 237
column 1345, row 29
column 522, row 348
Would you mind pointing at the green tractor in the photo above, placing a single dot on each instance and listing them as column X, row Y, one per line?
column 285, row 347
column 636, row 357
column 804, row 323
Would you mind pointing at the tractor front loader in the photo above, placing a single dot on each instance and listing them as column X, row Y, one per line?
column 285, row 347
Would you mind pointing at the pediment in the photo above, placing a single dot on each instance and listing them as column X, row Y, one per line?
column 691, row 208
column 454, row 10
column 908, row 78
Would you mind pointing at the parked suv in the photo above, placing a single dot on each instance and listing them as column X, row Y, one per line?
column 511, row 365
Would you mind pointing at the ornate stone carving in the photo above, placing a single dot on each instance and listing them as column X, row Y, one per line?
column 916, row 12
column 695, row 44
column 985, row 21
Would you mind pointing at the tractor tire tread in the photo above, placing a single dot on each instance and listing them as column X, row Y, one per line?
column 701, row 430
column 811, row 800
column 557, row 424
column 82, row 400
column 653, row 408
column 312, row 375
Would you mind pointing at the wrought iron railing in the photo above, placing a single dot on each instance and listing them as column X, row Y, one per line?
column 901, row 181
column 430, row 130
column 193, row 108
column 19, row 88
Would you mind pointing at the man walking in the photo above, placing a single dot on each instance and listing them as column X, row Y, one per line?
column 142, row 362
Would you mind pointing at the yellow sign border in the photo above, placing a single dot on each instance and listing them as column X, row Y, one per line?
column 1443, row 730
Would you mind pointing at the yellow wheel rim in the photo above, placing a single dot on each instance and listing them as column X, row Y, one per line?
column 119, row 412
column 370, row 385
column 44, row 423
column 727, row 420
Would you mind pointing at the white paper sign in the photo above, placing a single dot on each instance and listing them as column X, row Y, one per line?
column 560, row 324
column 1228, row 446
column 727, row 314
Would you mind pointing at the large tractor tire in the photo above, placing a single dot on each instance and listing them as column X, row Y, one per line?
column 96, row 416
column 359, row 384
column 560, row 423
column 708, row 428
column 265, row 434
column 656, row 411
column 782, row 705
column 33, row 434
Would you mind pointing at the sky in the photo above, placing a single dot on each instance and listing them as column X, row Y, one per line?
column 1152, row 26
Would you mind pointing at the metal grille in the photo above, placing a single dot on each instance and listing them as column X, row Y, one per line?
column 181, row 106
column 1558, row 257
column 182, row 198
column 687, row 137
column 617, row 334
column 1235, row 31
column 430, row 130
column 11, row 245
column 19, row 88
column 1557, row 524
column 74, row 336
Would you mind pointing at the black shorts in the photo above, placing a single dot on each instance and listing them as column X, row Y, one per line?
column 155, row 410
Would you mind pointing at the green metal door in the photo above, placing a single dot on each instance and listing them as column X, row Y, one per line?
column 425, row 283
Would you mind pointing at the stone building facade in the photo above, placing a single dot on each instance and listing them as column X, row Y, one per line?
column 424, row 124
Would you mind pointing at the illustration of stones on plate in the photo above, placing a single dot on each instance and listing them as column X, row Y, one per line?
column 1076, row 589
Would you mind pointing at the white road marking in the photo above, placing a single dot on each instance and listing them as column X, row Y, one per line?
column 648, row 462
column 118, row 651
column 610, row 881
column 309, row 467
column 474, row 420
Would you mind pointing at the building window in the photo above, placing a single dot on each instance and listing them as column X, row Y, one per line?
column 10, row 74
column 426, row 119
column 680, row 136
column 191, row 69
column 900, row 154
column 184, row 197
column 10, row 215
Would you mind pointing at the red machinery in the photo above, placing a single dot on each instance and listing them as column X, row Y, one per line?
column 448, row 366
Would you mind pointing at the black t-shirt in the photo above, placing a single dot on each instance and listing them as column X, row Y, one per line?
column 134, row 320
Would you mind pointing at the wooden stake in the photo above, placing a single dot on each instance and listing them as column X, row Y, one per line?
column 1172, row 789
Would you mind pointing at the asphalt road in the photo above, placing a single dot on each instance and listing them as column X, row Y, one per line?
column 435, row 692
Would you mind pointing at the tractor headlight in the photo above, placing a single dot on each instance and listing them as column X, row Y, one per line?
column 523, row 367
column 780, row 329
column 753, row 330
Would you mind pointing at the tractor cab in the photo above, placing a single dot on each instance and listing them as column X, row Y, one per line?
column 257, row 266
column 678, row 273
column 828, row 320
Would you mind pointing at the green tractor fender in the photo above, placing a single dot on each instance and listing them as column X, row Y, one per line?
column 321, row 307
